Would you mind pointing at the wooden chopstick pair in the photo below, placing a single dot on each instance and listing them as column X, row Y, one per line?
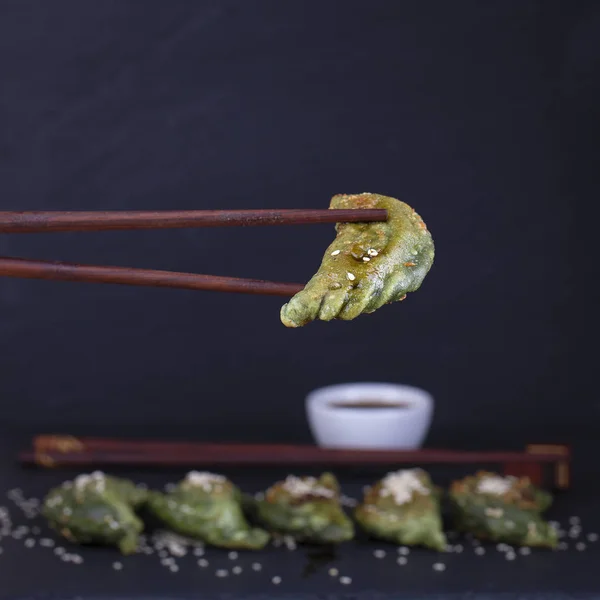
column 55, row 221
column 55, row 451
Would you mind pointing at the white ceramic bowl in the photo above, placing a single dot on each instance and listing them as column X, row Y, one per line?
column 395, row 428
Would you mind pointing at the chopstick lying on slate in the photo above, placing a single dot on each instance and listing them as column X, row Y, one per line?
column 54, row 221
column 62, row 271
column 68, row 451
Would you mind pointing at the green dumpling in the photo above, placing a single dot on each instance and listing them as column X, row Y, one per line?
column 207, row 507
column 306, row 508
column 96, row 509
column 403, row 508
column 502, row 509
column 367, row 265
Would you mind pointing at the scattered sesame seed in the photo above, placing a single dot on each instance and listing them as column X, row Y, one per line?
column 372, row 252
column 479, row 550
column 276, row 580
column 592, row 537
column 510, row 556
column 439, row 567
column 198, row 551
column 256, row 566
column 333, row 572
column 366, row 259
column 203, row 562
column 47, row 542
column 379, row 553
column 563, row 546
column 402, row 560
column 525, row 550
column 458, row 548
column 76, row 558
column 580, row 546
column 236, row 570
column 222, row 573
column 58, row 551
column 173, row 568
column 404, row 550
column 574, row 520
column 232, row 555
column 350, row 276
column 29, row 543
column 117, row 566
column 574, row 532
column 345, row 580
column 335, row 252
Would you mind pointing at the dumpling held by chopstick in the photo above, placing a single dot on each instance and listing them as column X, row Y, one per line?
column 367, row 265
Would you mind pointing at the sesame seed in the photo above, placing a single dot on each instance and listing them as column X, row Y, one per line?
column 58, row 551
column 563, row 546
column 350, row 276
column 203, row 562
column 345, row 580
column 117, row 566
column 29, row 543
column 366, row 259
column 276, row 580
column 439, row 567
column 372, row 252
column 574, row 532
column 76, row 558
column 232, row 555
column 333, row 572
column 404, row 550
column 335, row 252
column 580, row 546
column 222, row 573
column 379, row 553
column 479, row 550
column 592, row 537
column 198, row 551
column 510, row 556
column 46, row 542
column 402, row 560
column 173, row 568
column 458, row 548
column 236, row 570
column 574, row 520
column 256, row 566
column 525, row 550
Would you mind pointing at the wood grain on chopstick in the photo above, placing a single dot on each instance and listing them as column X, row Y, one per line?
column 54, row 221
column 62, row 271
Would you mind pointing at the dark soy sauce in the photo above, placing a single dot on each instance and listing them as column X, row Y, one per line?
column 317, row 558
column 368, row 404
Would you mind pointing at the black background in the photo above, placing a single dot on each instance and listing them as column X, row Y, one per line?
column 482, row 115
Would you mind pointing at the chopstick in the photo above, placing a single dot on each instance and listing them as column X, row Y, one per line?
column 67, row 451
column 55, row 221
column 63, row 271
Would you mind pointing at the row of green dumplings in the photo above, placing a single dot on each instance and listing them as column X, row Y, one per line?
column 403, row 508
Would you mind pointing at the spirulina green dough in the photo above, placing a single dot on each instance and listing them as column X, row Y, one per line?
column 306, row 508
column 207, row 507
column 403, row 508
column 367, row 265
column 97, row 509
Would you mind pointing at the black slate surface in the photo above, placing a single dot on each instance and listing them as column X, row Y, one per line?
column 38, row 573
